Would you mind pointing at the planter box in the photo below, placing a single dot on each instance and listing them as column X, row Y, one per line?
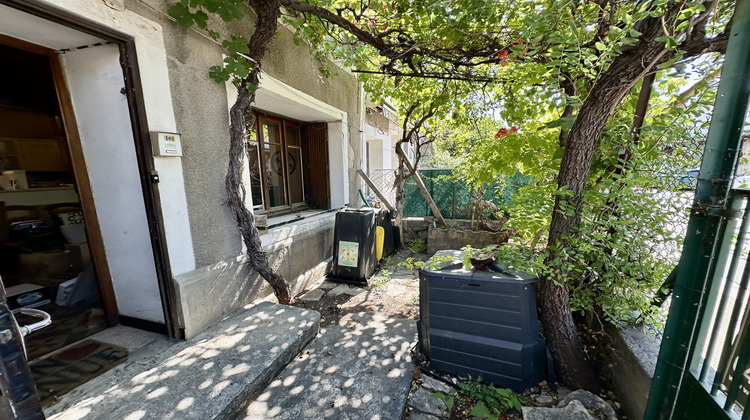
column 459, row 235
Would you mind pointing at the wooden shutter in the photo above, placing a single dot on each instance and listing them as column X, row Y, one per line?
column 319, row 187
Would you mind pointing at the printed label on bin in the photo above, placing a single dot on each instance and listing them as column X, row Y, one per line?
column 348, row 253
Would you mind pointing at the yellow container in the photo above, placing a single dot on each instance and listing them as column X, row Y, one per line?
column 379, row 239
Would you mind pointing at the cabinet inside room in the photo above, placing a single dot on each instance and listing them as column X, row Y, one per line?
column 33, row 149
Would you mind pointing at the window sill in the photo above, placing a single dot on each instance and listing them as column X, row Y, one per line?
column 295, row 216
column 289, row 226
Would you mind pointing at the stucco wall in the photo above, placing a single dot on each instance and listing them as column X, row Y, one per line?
column 296, row 67
column 201, row 111
column 301, row 253
column 201, row 114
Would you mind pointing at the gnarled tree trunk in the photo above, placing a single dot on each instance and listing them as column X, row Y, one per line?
column 580, row 145
column 554, row 298
column 268, row 13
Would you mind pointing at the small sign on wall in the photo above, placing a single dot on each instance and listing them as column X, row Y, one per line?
column 166, row 144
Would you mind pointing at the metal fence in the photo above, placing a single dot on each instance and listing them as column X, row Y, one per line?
column 452, row 196
column 722, row 350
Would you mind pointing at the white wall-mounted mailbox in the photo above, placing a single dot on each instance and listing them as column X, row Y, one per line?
column 166, row 144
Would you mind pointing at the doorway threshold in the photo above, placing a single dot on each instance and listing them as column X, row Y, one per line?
column 61, row 371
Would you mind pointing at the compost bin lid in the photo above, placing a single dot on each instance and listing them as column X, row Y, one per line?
column 438, row 265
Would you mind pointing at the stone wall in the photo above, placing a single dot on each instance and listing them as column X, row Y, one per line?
column 458, row 235
column 633, row 363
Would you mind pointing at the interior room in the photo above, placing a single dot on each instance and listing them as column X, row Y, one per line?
column 45, row 261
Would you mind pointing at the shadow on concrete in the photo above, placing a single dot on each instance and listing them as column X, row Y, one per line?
column 211, row 376
column 360, row 369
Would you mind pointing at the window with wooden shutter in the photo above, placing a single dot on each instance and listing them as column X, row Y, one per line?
column 288, row 164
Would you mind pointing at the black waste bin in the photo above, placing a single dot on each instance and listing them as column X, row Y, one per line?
column 481, row 323
column 354, row 245
column 383, row 219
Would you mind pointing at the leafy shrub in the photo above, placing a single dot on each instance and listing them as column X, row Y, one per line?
column 485, row 400
column 418, row 245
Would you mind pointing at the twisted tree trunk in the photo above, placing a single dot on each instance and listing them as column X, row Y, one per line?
column 557, row 320
column 268, row 13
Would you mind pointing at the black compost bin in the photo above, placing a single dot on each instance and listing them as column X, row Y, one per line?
column 481, row 323
column 354, row 245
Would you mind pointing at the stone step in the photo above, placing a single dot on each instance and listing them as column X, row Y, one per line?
column 212, row 376
column 359, row 369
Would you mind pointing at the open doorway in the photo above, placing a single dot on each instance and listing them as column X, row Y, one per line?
column 45, row 262
column 46, row 204
column 84, row 80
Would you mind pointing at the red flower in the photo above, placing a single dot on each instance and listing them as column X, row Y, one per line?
column 514, row 129
column 502, row 54
column 501, row 132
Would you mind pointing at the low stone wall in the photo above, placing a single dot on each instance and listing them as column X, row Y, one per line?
column 633, row 363
column 458, row 235
column 301, row 252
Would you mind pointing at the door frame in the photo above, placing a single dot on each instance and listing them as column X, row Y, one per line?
column 141, row 136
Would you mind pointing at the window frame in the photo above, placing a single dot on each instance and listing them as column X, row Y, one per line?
column 261, row 142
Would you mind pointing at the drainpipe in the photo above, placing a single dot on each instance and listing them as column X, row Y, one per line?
column 709, row 204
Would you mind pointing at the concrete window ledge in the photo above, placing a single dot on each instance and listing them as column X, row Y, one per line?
column 292, row 227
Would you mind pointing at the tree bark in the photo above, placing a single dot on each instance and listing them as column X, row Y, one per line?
column 580, row 145
column 557, row 320
column 268, row 12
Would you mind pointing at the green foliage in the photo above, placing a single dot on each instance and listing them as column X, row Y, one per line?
column 485, row 400
column 236, row 66
column 410, row 264
column 195, row 12
column 418, row 245
column 383, row 277
column 523, row 53
column 386, row 261
column 633, row 217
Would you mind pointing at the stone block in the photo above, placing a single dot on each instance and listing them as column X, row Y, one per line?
column 313, row 295
column 422, row 401
column 460, row 236
column 346, row 289
column 361, row 371
column 591, row 402
column 573, row 411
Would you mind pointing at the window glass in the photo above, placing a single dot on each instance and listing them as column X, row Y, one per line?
column 293, row 163
column 276, row 163
column 256, row 187
column 253, row 163
column 271, row 132
column 274, row 175
column 294, row 168
column 292, row 135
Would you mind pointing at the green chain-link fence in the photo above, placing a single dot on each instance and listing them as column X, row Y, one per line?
column 453, row 196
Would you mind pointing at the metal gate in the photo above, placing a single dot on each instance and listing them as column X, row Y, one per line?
column 703, row 370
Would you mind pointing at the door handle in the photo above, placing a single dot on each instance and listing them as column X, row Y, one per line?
column 28, row 329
